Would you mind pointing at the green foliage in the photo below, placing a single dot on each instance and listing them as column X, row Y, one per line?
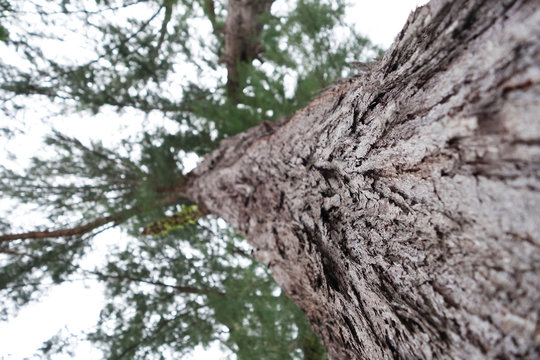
column 5, row 7
column 44, row 262
column 134, row 65
column 193, row 282
column 172, row 295
column 79, row 178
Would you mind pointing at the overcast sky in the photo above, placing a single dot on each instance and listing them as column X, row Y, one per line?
column 75, row 306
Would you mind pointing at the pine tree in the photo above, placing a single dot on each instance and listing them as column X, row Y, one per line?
column 168, row 290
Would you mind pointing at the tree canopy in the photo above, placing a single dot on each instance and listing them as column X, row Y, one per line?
column 168, row 291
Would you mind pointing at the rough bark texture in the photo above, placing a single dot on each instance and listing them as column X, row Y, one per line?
column 401, row 208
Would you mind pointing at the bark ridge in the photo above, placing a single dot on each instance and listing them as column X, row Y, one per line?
column 400, row 208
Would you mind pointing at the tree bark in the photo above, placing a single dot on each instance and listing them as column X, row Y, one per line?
column 400, row 208
column 242, row 38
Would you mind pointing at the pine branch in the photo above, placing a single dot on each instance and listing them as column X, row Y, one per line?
column 180, row 289
column 74, row 231
column 166, row 19
column 210, row 12
column 173, row 197
column 161, row 326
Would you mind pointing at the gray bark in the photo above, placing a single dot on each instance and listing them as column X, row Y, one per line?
column 401, row 208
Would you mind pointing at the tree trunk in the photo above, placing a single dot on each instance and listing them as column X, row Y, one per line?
column 242, row 38
column 401, row 208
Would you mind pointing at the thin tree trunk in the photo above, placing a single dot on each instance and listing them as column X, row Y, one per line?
column 116, row 218
column 68, row 232
column 242, row 39
column 400, row 208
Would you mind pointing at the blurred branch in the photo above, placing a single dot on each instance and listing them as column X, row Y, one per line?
column 74, row 231
column 181, row 289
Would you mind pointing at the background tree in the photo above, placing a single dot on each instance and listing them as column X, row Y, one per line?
column 195, row 284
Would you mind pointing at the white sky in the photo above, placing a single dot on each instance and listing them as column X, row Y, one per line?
column 381, row 20
column 76, row 305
